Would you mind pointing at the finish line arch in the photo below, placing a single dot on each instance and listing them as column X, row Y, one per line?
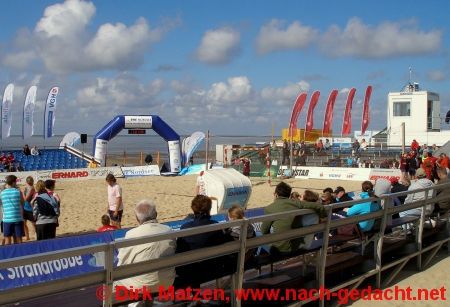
column 120, row 122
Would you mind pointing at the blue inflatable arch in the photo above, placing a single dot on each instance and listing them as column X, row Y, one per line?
column 154, row 122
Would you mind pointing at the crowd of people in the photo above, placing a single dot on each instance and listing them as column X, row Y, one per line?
column 37, row 204
column 37, row 207
column 8, row 162
column 285, row 200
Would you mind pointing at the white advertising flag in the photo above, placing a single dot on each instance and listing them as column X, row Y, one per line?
column 50, row 108
column 28, row 111
column 6, row 110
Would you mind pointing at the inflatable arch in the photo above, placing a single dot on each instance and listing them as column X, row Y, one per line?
column 154, row 122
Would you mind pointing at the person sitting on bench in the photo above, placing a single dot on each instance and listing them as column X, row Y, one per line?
column 421, row 183
column 282, row 203
column 146, row 214
column 194, row 274
column 364, row 208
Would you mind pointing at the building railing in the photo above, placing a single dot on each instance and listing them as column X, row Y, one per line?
column 110, row 273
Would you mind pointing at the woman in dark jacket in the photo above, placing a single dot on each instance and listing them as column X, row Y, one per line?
column 45, row 212
column 196, row 273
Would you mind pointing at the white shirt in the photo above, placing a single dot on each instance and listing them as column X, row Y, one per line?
column 201, row 185
column 114, row 192
column 144, row 252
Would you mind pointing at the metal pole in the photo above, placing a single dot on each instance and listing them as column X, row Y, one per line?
column 403, row 137
column 291, row 154
column 207, row 149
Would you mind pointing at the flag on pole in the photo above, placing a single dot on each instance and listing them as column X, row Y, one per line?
column 347, row 123
column 296, row 110
column 366, row 117
column 6, row 110
column 310, row 117
column 328, row 119
column 49, row 114
column 28, row 111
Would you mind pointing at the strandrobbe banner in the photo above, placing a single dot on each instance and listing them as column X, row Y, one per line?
column 298, row 106
column 366, row 117
column 49, row 115
column 6, row 110
column 328, row 119
column 28, row 111
column 347, row 122
column 310, row 117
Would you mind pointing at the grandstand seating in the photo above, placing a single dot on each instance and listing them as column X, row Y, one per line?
column 49, row 159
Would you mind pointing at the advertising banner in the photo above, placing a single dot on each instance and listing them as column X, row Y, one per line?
column 174, row 156
column 144, row 122
column 6, row 110
column 310, row 115
column 80, row 173
column 347, row 122
column 366, row 115
column 296, row 110
column 338, row 173
column 386, row 173
column 138, row 171
column 328, row 118
column 28, row 113
column 50, row 108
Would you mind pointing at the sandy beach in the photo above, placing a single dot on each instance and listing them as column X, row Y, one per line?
column 84, row 202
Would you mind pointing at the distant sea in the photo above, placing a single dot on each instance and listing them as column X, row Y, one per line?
column 149, row 144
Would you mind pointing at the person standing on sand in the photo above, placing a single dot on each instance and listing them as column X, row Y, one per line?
column 12, row 202
column 115, row 201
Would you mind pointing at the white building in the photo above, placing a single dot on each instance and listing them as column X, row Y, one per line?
column 420, row 111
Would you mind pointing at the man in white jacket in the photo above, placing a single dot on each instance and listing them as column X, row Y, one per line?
column 146, row 215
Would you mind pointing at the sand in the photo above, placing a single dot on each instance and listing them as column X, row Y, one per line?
column 84, row 202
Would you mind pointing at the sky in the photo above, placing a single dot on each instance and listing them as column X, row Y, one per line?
column 233, row 67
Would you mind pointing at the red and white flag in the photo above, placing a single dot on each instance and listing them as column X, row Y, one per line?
column 296, row 110
column 365, row 116
column 328, row 119
column 310, row 117
column 347, row 124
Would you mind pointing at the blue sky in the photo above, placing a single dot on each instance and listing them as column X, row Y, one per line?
column 233, row 67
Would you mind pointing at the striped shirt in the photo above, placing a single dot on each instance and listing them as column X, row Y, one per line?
column 12, row 211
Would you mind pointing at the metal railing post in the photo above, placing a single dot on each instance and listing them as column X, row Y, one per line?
column 323, row 257
column 109, row 279
column 238, row 277
column 386, row 204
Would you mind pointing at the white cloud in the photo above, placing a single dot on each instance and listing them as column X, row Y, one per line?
column 219, row 46
column 273, row 37
column 384, row 40
column 284, row 96
column 62, row 41
column 118, row 93
column 436, row 75
column 237, row 89
column 66, row 20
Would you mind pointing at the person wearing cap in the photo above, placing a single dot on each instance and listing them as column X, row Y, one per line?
column 341, row 196
column 146, row 215
column 421, row 183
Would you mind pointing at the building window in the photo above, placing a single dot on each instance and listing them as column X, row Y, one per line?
column 402, row 108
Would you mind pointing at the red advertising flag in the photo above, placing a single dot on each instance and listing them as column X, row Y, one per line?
column 366, row 117
column 328, row 119
column 310, row 117
column 298, row 106
column 347, row 124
